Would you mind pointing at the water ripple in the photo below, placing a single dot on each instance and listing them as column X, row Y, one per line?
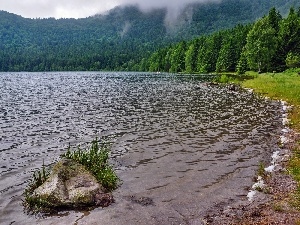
column 166, row 129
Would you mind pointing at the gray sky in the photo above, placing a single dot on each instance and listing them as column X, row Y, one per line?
column 84, row 8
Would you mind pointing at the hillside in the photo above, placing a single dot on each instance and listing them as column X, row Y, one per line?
column 213, row 17
column 118, row 39
column 272, row 43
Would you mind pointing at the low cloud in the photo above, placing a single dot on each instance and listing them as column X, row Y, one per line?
column 57, row 8
column 174, row 7
column 83, row 8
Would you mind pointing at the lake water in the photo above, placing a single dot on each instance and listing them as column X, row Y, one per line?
column 182, row 145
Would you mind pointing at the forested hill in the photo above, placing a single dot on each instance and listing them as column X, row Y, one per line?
column 118, row 39
column 272, row 43
column 94, row 43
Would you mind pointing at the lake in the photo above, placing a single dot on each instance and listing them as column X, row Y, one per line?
column 180, row 145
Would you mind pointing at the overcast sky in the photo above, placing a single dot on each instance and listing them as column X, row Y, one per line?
column 83, row 8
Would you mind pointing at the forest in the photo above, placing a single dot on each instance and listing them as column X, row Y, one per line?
column 270, row 44
column 128, row 39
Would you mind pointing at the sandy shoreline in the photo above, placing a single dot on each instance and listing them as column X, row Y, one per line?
column 270, row 202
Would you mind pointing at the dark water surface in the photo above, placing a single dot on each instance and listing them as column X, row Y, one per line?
column 180, row 146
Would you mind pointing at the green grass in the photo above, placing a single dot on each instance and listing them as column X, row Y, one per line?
column 38, row 178
column 283, row 86
column 232, row 77
column 294, row 170
column 261, row 170
column 31, row 203
column 294, row 164
column 95, row 159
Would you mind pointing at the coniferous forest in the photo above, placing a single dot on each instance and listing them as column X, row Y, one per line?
column 270, row 44
column 226, row 36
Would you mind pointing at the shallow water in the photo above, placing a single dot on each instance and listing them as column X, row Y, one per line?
column 180, row 146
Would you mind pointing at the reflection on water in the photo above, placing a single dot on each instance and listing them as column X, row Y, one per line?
column 175, row 139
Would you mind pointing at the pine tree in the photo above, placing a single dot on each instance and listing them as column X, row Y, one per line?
column 261, row 45
column 226, row 59
column 178, row 58
column 242, row 65
column 191, row 57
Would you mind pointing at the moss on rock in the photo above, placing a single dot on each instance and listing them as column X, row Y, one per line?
column 69, row 185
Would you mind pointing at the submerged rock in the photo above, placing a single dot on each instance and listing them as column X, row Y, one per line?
column 71, row 185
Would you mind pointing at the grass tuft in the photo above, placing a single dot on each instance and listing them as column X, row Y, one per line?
column 31, row 203
column 261, row 170
column 278, row 207
column 95, row 159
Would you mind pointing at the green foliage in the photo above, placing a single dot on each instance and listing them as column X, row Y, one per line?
column 226, row 60
column 126, row 36
column 224, row 79
column 274, row 19
column 289, row 38
column 294, row 164
column 261, row 170
column 94, row 43
column 242, row 65
column 39, row 177
column 214, row 44
column 285, row 86
column 261, row 45
column 294, row 169
column 293, row 60
column 191, row 57
column 95, row 159
column 177, row 58
column 290, row 32
column 202, row 66
column 270, row 44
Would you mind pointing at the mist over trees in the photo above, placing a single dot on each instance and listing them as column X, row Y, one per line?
column 272, row 43
column 128, row 39
column 95, row 43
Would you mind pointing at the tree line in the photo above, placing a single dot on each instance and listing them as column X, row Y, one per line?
column 272, row 43
column 126, row 37
column 102, row 42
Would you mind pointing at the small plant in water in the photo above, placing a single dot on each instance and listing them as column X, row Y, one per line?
column 95, row 159
column 39, row 177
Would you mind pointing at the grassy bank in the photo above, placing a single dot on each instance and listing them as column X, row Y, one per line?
column 283, row 86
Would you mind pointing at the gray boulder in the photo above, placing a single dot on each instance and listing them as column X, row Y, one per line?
column 71, row 185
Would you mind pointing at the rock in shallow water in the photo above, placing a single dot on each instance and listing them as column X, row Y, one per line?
column 71, row 185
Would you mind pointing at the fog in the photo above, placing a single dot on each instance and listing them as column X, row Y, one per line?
column 84, row 8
